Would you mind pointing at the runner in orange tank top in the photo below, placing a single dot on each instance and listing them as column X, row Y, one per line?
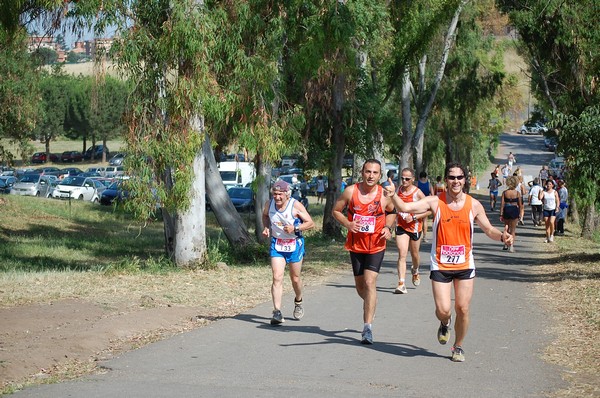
column 369, row 221
column 409, row 231
column 452, row 263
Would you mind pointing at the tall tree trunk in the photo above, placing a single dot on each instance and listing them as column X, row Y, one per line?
column 331, row 227
column 263, row 177
column 407, row 130
column 426, row 109
column 589, row 222
column 228, row 218
column 187, row 229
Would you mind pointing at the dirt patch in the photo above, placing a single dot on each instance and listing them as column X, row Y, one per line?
column 37, row 339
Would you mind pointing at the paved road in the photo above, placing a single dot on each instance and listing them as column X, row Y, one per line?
column 320, row 356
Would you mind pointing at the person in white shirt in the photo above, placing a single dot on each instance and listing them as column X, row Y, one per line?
column 536, row 203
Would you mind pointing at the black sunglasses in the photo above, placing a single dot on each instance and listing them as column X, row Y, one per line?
column 406, row 178
column 452, row 178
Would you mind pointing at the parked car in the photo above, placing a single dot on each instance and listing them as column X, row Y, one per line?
column 114, row 171
column 242, row 198
column 551, row 144
column 55, row 171
column 6, row 183
column 107, row 182
column 556, row 166
column 289, row 161
column 71, row 156
column 69, row 172
column 114, row 192
column 117, row 160
column 33, row 185
column 530, row 127
column 42, row 157
column 99, row 170
column 96, row 152
column 76, row 187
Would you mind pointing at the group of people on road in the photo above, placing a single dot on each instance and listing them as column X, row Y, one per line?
column 371, row 212
column 547, row 196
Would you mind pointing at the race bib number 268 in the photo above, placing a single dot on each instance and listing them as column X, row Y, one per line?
column 452, row 254
column 366, row 223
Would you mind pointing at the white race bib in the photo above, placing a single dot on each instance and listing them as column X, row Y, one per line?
column 366, row 223
column 285, row 245
column 452, row 254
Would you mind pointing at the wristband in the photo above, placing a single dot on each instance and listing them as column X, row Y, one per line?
column 388, row 227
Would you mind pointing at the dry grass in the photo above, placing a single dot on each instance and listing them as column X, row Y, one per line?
column 571, row 293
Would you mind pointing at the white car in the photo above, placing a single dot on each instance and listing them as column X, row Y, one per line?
column 80, row 188
column 533, row 128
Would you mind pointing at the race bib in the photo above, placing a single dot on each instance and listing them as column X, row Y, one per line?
column 366, row 223
column 452, row 254
column 285, row 245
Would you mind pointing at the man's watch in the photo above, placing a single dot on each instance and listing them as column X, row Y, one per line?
column 296, row 228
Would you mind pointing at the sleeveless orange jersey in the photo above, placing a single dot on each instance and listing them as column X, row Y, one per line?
column 452, row 246
column 404, row 220
column 372, row 217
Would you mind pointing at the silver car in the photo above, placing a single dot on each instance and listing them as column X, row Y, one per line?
column 33, row 185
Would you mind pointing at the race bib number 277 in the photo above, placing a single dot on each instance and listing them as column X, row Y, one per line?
column 452, row 254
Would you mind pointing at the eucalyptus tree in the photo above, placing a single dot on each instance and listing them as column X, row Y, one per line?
column 419, row 25
column 477, row 91
column 248, row 62
column 327, row 60
column 560, row 42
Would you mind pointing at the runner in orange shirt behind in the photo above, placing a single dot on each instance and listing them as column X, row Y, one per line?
column 451, row 254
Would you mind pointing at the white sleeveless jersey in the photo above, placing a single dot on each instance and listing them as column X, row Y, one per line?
column 279, row 219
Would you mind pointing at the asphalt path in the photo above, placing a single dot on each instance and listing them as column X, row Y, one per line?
column 321, row 355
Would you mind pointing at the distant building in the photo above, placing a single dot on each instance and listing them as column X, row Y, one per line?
column 37, row 42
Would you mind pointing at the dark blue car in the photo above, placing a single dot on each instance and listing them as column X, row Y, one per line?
column 114, row 192
column 242, row 198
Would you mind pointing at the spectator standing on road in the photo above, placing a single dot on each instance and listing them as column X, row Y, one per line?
column 505, row 173
column 511, row 160
column 452, row 261
column 369, row 221
column 523, row 190
column 409, row 227
column 493, row 185
column 440, row 187
column 550, row 199
column 320, row 189
column 285, row 219
column 563, row 195
column 425, row 186
column 543, row 176
column 536, row 203
column 511, row 209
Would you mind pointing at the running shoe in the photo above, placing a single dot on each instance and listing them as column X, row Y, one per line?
column 551, row 238
column 458, row 354
column 505, row 247
column 416, row 280
column 367, row 336
column 277, row 318
column 298, row 309
column 443, row 333
column 511, row 249
column 401, row 289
